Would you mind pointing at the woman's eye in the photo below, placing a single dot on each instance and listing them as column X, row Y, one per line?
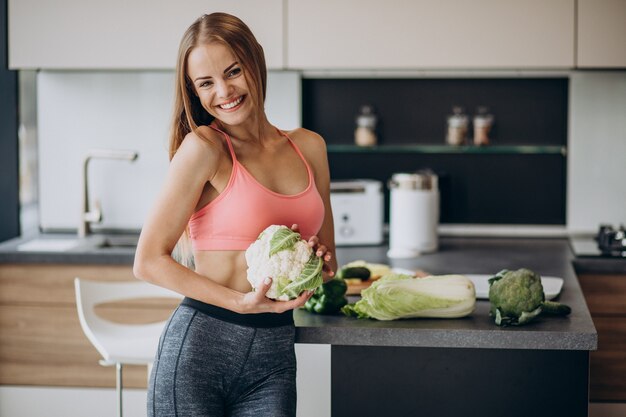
column 205, row 84
column 234, row 72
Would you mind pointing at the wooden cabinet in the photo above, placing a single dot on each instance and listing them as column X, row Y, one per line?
column 606, row 299
column 41, row 341
column 351, row 34
column 601, row 34
column 396, row 34
column 120, row 34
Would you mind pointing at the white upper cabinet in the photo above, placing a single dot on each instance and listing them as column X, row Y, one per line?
column 125, row 34
column 601, row 34
column 430, row 34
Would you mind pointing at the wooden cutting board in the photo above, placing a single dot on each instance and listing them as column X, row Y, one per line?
column 356, row 286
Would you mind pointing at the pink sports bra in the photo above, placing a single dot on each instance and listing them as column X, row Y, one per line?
column 236, row 217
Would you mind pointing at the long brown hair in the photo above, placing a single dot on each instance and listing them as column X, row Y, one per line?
column 188, row 111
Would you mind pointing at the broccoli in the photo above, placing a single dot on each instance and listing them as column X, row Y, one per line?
column 517, row 298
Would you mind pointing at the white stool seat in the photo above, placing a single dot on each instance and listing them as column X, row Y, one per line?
column 129, row 345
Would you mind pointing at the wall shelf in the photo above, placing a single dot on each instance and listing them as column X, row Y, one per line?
column 448, row 149
column 519, row 179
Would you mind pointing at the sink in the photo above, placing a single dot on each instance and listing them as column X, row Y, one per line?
column 91, row 243
column 110, row 242
column 49, row 245
column 119, row 242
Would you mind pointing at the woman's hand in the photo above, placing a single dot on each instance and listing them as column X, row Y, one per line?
column 321, row 251
column 257, row 302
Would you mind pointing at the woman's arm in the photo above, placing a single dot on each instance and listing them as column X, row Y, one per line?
column 324, row 243
column 195, row 163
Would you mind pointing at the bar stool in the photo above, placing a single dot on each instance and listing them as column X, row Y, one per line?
column 119, row 344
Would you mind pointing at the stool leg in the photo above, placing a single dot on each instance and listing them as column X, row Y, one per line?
column 118, row 384
column 149, row 371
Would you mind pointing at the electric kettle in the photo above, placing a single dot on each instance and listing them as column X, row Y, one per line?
column 413, row 214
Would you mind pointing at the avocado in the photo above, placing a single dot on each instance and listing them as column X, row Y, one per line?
column 360, row 272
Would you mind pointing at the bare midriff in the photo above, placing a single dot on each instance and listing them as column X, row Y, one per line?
column 226, row 267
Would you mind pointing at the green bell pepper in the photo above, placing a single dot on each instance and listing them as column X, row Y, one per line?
column 328, row 297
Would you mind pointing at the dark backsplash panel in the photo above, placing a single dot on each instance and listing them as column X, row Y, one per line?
column 527, row 111
column 488, row 188
column 474, row 188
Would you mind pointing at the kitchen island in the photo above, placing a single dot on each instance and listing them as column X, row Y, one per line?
column 468, row 366
column 443, row 367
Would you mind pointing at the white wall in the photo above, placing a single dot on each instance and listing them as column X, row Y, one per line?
column 596, row 177
column 80, row 110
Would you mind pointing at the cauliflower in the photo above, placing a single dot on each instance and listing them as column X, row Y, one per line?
column 280, row 253
column 517, row 297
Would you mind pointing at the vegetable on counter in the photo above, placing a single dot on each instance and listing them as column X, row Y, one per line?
column 328, row 298
column 517, row 297
column 398, row 296
column 280, row 253
column 354, row 272
column 376, row 270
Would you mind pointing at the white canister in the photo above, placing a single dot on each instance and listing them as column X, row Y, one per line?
column 413, row 214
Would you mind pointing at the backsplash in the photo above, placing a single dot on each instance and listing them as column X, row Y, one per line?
column 81, row 110
column 495, row 184
column 596, row 172
column 528, row 111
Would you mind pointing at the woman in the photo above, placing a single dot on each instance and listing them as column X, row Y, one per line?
column 228, row 350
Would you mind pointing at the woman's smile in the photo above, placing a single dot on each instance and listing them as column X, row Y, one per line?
column 233, row 104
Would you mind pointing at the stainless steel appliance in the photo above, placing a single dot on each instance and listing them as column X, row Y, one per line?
column 357, row 211
column 608, row 243
column 612, row 242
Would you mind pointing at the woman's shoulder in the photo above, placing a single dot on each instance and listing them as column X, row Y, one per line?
column 307, row 140
column 205, row 136
column 203, row 140
column 201, row 148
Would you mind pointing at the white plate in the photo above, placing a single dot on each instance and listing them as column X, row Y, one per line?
column 403, row 271
column 551, row 286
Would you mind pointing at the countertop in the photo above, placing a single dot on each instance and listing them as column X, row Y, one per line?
column 547, row 256
column 111, row 249
column 589, row 259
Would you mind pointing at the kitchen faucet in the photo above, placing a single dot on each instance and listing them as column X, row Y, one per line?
column 88, row 216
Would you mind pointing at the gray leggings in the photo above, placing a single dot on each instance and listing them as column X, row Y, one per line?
column 206, row 366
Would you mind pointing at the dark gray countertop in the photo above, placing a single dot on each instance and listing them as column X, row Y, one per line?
column 589, row 259
column 548, row 257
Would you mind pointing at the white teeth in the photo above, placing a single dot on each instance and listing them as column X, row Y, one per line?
column 231, row 104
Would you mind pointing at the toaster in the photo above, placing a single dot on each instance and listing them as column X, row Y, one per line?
column 357, row 212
